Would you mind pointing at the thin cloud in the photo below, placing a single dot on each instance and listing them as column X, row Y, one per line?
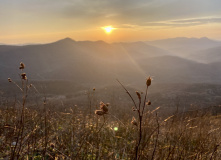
column 172, row 23
column 199, row 20
column 43, row 16
column 186, row 22
column 118, row 11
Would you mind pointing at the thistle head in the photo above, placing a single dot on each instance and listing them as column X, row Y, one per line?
column 148, row 82
column 134, row 109
column 148, row 103
column 134, row 122
column 23, row 76
column 22, row 65
column 103, row 107
column 9, row 80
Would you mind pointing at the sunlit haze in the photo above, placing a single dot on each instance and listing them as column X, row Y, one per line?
column 42, row 21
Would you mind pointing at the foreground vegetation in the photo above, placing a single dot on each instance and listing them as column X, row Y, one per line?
column 76, row 135
column 99, row 131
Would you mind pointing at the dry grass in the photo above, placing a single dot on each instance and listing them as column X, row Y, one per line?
column 78, row 133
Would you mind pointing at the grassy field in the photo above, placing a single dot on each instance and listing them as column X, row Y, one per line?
column 78, row 134
column 101, row 130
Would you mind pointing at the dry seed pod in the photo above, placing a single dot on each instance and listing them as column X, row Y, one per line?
column 149, row 103
column 134, row 121
column 138, row 95
column 23, row 76
column 148, row 83
column 99, row 112
column 103, row 107
column 9, row 80
column 133, row 109
column 22, row 65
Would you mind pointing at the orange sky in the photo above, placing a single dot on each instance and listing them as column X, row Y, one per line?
column 43, row 21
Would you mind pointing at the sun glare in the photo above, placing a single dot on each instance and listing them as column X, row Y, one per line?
column 108, row 29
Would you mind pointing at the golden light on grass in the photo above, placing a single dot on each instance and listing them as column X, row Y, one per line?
column 175, row 128
column 108, row 29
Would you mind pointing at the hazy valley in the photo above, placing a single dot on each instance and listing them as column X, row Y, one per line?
column 75, row 67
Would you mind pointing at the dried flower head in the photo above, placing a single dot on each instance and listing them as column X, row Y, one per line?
column 133, row 109
column 9, row 80
column 22, row 65
column 103, row 107
column 134, row 121
column 149, row 103
column 99, row 112
column 148, row 82
column 23, row 76
column 138, row 95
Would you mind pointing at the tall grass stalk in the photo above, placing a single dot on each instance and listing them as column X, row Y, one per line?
column 140, row 112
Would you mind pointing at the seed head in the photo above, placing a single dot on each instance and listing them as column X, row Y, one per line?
column 134, row 121
column 22, row 65
column 23, row 76
column 149, row 103
column 103, row 107
column 9, row 80
column 133, row 109
column 99, row 112
column 138, row 95
column 148, row 83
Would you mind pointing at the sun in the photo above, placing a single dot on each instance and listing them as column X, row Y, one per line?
column 108, row 29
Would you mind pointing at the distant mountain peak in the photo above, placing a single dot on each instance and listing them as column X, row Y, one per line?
column 65, row 40
column 101, row 42
column 204, row 38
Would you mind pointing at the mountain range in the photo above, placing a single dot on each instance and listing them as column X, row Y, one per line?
column 183, row 46
column 177, row 60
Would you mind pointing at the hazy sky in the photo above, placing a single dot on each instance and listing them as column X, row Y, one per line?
column 34, row 21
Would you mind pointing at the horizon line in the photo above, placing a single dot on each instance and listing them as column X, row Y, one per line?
column 30, row 43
